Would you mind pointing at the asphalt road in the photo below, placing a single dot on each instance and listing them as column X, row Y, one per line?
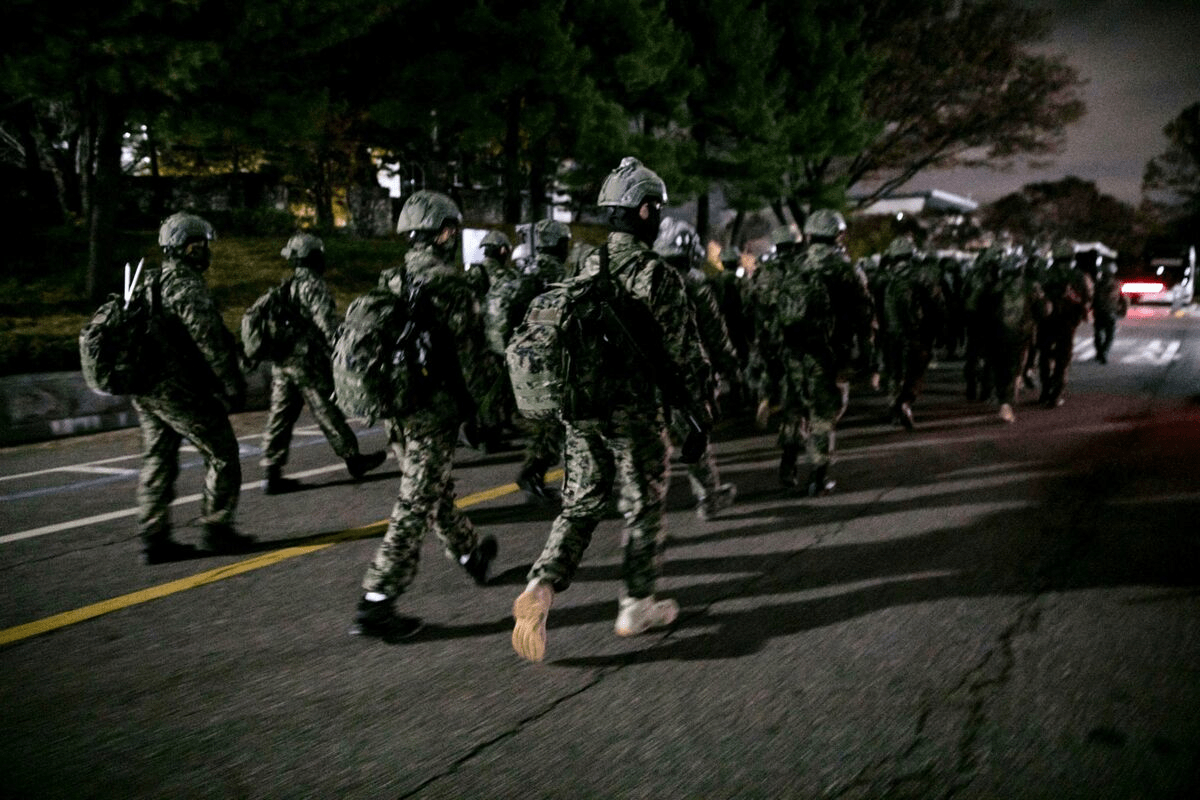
column 980, row 610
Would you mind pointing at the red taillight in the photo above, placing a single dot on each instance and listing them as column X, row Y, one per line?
column 1142, row 287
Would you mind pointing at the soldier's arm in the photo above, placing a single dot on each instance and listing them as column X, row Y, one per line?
column 681, row 337
column 189, row 300
column 713, row 332
column 317, row 302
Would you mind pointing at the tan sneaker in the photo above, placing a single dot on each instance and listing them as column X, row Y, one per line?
column 1006, row 413
column 530, row 610
column 640, row 615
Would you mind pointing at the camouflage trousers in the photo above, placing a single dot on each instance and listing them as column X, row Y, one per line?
column 907, row 365
column 166, row 420
column 291, row 388
column 628, row 455
column 423, row 444
column 544, row 442
column 814, row 399
column 703, row 477
column 1055, row 346
column 1005, row 356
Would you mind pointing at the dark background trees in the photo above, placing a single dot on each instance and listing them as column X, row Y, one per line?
column 775, row 104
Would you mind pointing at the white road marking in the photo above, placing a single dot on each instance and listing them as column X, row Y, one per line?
column 129, row 512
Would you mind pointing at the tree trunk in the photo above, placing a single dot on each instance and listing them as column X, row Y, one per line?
column 702, row 200
column 537, row 180
column 323, row 194
column 512, row 161
column 105, row 191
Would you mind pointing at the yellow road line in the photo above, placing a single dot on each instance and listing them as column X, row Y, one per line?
column 29, row 629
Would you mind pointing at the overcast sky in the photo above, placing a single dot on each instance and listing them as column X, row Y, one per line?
column 1141, row 61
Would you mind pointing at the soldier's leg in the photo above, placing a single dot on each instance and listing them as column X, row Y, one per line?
column 317, row 390
column 587, row 488
column 395, row 562
column 640, row 458
column 286, row 404
column 206, row 425
column 160, row 468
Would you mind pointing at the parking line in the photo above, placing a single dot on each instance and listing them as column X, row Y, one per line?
column 320, row 542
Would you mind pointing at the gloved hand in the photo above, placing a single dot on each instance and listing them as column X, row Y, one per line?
column 694, row 446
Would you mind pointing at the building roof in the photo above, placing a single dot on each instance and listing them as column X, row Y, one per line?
column 933, row 201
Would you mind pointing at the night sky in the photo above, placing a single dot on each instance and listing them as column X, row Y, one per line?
column 1141, row 61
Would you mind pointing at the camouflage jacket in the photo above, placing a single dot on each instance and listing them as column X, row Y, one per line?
column 658, row 285
column 714, row 335
column 1108, row 300
column 202, row 347
column 310, row 296
column 914, row 302
column 455, row 305
column 505, row 304
column 854, row 305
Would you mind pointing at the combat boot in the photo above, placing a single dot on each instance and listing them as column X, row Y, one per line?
column 378, row 618
column 275, row 483
column 530, row 611
column 819, row 482
column 902, row 415
column 221, row 538
column 640, row 614
column 478, row 563
column 360, row 464
column 716, row 501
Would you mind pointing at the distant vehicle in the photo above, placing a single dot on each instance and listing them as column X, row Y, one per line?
column 1168, row 280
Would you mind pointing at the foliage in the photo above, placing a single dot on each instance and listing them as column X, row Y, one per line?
column 1172, row 178
column 1071, row 208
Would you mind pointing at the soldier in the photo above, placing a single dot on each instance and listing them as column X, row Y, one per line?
column 197, row 388
column 423, row 441
column 1107, row 305
column 305, row 375
column 495, row 403
column 914, row 312
column 766, row 353
column 825, row 322
column 620, row 442
column 552, row 242
column 679, row 246
column 1068, row 293
column 1003, row 307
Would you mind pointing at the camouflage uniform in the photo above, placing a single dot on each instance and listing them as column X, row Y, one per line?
column 1107, row 305
column 814, row 388
column 1068, row 294
column 306, row 376
column 1002, row 307
column 198, row 384
column 628, row 450
column 423, row 442
column 544, row 437
column 914, row 311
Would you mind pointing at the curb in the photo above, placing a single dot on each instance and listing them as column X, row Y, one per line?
column 55, row 405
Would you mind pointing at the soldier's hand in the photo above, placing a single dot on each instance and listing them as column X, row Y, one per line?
column 762, row 416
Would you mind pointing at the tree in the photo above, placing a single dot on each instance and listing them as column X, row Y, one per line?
column 954, row 85
column 1071, row 208
column 1172, row 179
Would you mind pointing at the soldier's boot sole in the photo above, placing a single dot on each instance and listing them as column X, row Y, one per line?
column 531, row 610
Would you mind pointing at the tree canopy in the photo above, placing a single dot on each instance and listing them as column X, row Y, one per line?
column 786, row 103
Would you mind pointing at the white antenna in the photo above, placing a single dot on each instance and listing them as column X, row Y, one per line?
column 131, row 285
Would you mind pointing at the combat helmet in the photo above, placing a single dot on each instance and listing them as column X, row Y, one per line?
column 824, row 223
column 630, row 184
column 1063, row 250
column 785, row 235
column 426, row 210
column 181, row 228
column 495, row 239
column 302, row 245
column 549, row 234
column 901, row 247
column 677, row 239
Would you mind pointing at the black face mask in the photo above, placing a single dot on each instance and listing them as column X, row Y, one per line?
column 196, row 255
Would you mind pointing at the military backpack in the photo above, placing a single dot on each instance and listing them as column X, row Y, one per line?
column 272, row 326
column 121, row 344
column 576, row 337
column 389, row 356
column 804, row 306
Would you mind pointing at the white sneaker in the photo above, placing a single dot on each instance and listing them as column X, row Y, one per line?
column 530, row 610
column 640, row 615
column 1006, row 413
column 717, row 501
